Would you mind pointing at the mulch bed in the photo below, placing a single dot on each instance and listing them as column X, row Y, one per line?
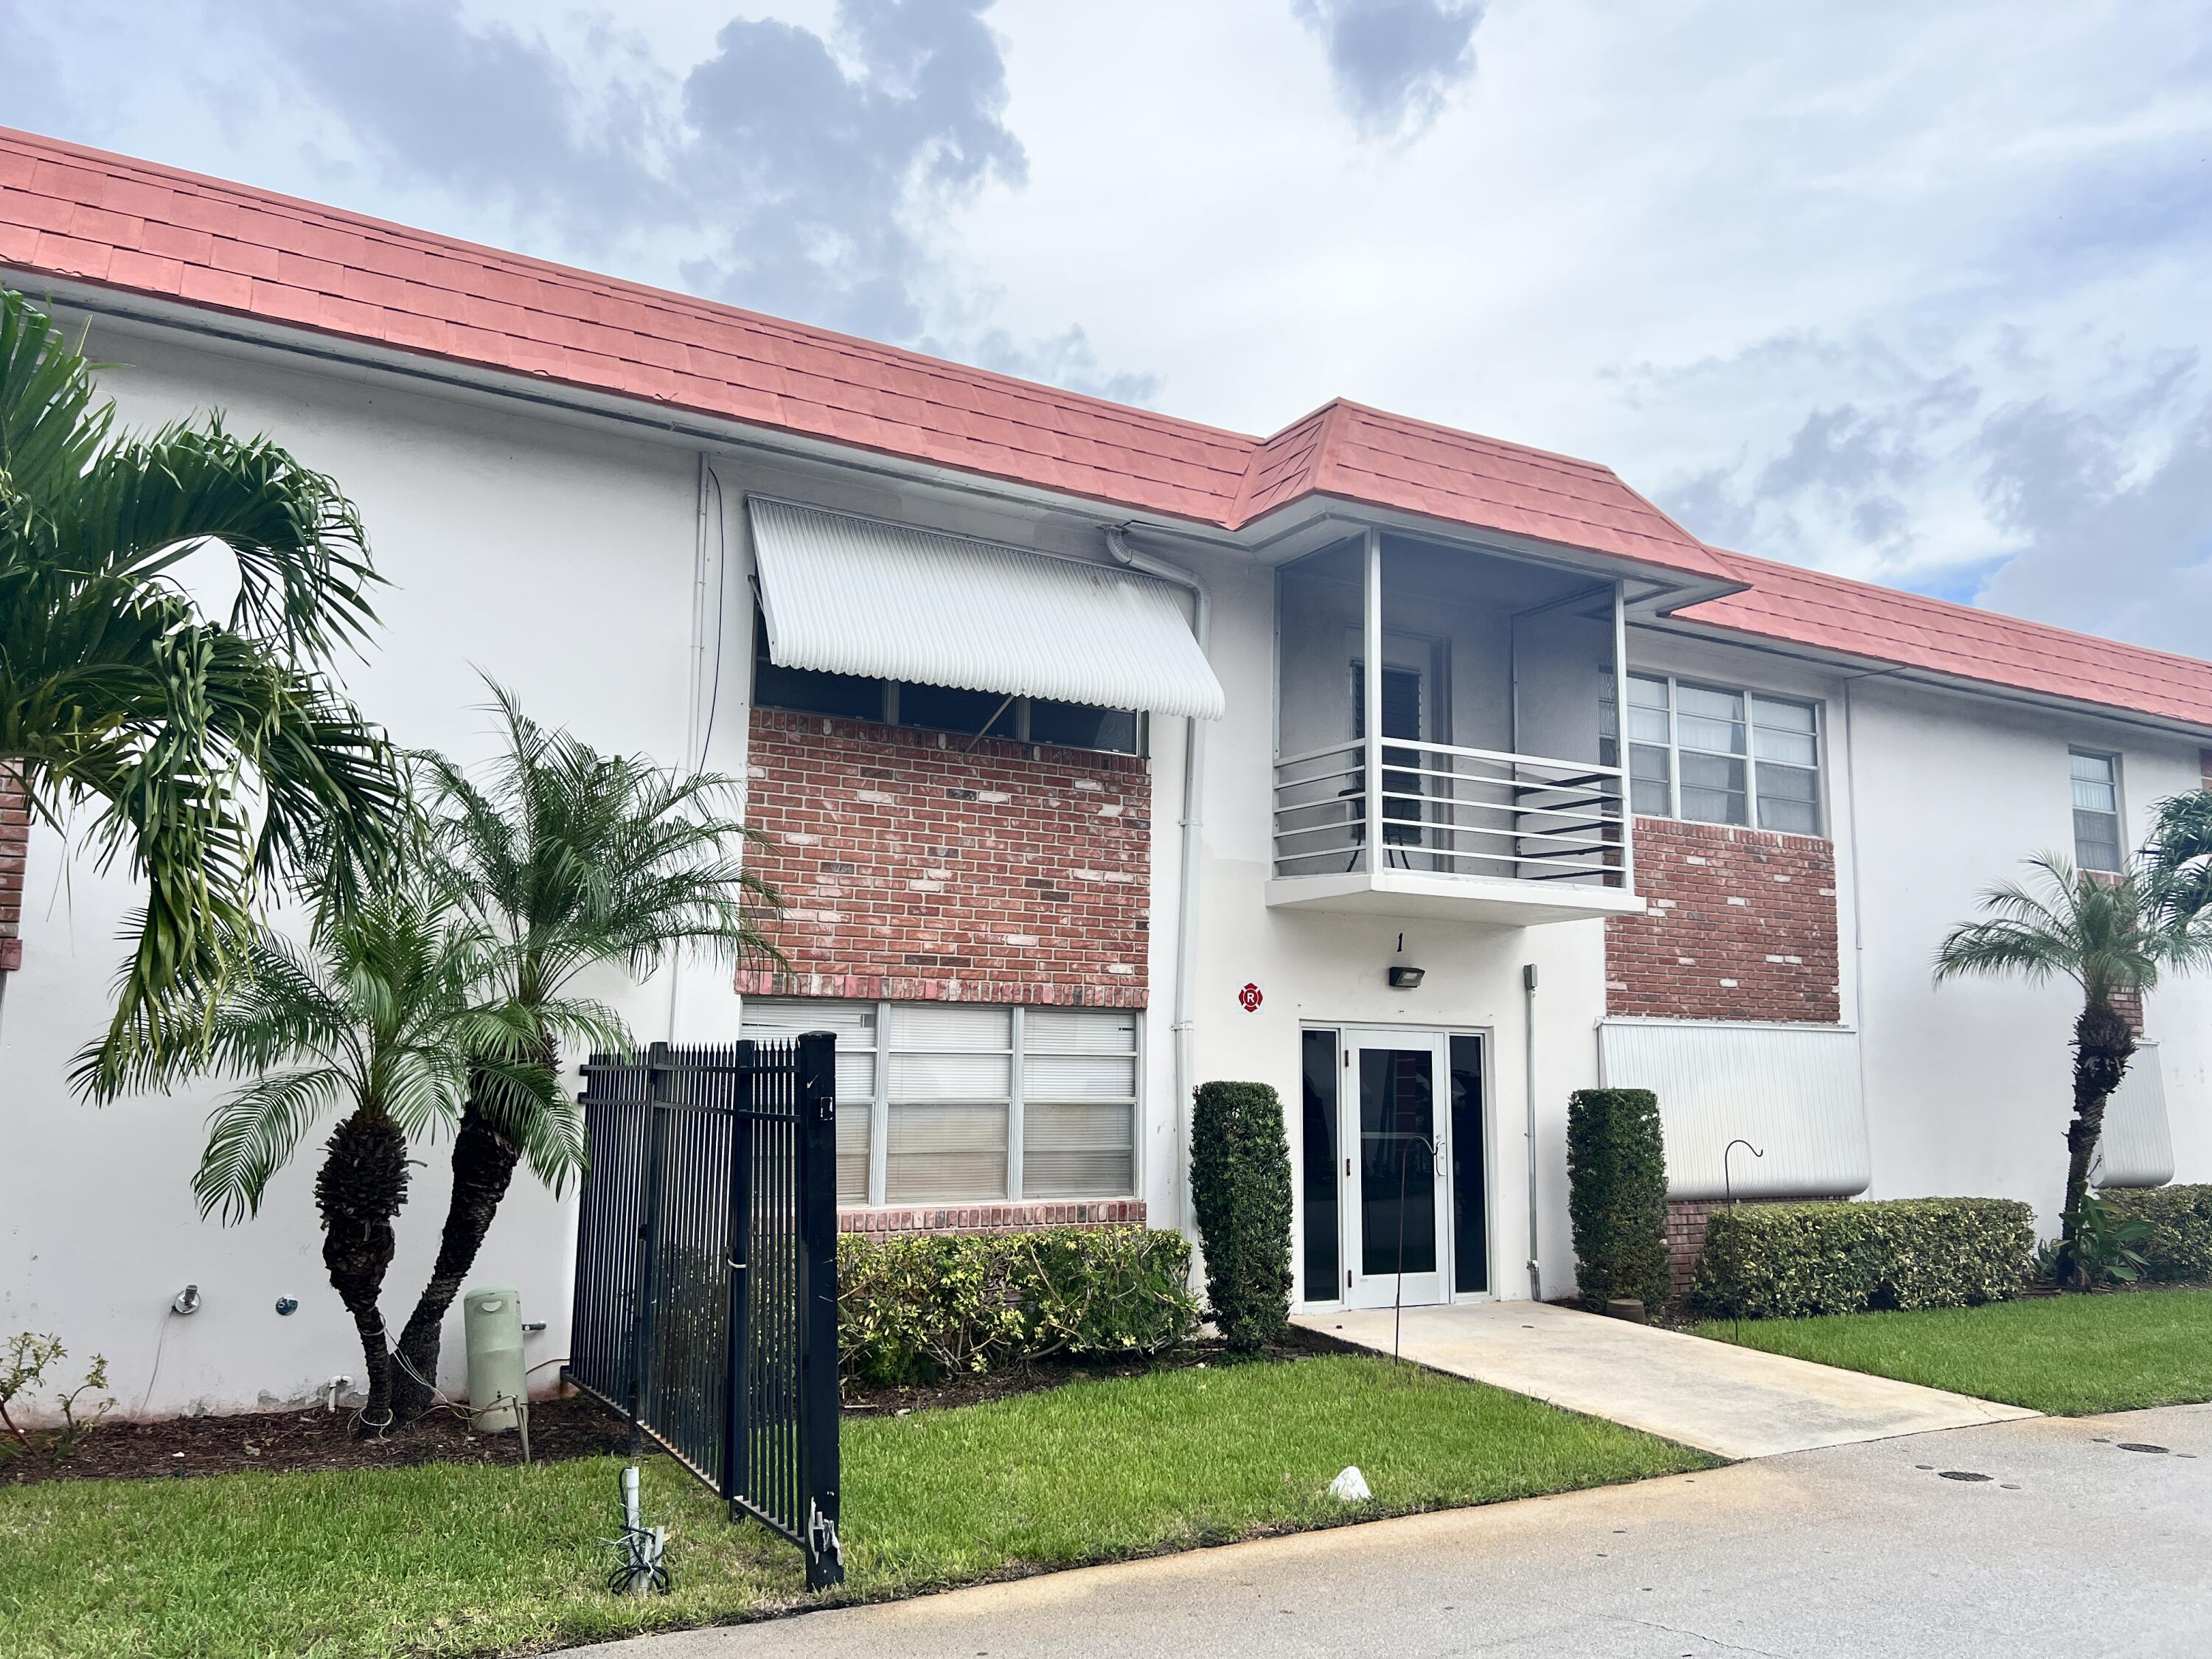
column 309, row 1437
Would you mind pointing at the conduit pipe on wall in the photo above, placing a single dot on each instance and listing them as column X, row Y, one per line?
column 1193, row 781
column 1529, row 1061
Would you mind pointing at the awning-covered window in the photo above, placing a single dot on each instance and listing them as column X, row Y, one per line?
column 843, row 595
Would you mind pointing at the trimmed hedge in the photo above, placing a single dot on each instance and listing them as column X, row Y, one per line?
column 1617, row 1196
column 915, row 1310
column 1786, row 1261
column 1240, row 1187
column 2180, row 1244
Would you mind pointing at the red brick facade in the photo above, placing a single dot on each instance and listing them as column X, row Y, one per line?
column 15, row 847
column 908, row 1221
column 914, row 868
column 1742, row 926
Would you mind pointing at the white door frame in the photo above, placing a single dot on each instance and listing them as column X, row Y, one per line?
column 1349, row 1033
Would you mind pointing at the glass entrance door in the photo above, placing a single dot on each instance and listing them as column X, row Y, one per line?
column 1396, row 1119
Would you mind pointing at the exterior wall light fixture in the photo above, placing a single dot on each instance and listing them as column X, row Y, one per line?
column 1405, row 979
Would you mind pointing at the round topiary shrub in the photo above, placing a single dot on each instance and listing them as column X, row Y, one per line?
column 1240, row 1185
column 1617, row 1196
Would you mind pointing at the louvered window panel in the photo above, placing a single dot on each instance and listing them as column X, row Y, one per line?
column 942, row 1087
column 1079, row 1103
column 951, row 1070
column 767, row 1020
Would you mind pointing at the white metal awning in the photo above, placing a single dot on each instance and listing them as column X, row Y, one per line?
column 856, row 596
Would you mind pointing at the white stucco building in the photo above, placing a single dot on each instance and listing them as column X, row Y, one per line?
column 961, row 633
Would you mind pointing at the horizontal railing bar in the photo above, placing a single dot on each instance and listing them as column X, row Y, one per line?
column 1591, row 768
column 1565, row 811
column 1319, row 777
column 1592, row 843
column 1317, row 830
column 1574, row 844
column 1556, row 815
column 1352, row 748
column 1452, row 855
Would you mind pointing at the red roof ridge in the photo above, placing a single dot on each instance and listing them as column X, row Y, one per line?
column 1461, row 434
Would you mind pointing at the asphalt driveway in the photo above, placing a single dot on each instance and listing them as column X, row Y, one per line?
column 2044, row 1536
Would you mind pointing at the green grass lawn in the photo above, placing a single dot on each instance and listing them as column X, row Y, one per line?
column 2065, row 1355
column 454, row 1560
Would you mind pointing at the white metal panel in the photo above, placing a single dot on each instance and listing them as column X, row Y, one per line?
column 856, row 596
column 2136, row 1148
column 1791, row 1091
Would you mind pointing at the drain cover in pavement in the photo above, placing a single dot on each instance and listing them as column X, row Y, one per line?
column 1960, row 1474
column 2140, row 1445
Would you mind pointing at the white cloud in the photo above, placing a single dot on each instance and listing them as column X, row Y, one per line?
column 1856, row 286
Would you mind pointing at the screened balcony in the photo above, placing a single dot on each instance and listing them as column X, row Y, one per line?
column 1490, row 776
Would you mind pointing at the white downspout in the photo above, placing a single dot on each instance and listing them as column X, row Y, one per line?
column 1528, row 1062
column 1194, row 784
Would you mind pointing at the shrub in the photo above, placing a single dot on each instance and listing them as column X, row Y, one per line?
column 914, row 1310
column 1240, row 1187
column 1785, row 1261
column 2180, row 1242
column 1617, row 1195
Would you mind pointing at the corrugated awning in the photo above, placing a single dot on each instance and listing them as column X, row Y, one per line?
column 855, row 596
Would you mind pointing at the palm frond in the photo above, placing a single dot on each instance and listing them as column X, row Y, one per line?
column 2099, row 929
column 255, row 1132
column 215, row 756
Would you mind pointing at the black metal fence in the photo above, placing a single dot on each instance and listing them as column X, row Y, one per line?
column 707, row 1271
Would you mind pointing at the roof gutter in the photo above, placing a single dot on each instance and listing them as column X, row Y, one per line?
column 1194, row 785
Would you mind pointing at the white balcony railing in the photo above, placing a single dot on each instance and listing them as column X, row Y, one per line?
column 1450, row 811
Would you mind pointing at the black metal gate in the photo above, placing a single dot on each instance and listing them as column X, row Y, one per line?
column 707, row 1271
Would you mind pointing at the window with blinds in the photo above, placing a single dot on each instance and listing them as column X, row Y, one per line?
column 1716, row 755
column 953, row 1103
column 2096, row 809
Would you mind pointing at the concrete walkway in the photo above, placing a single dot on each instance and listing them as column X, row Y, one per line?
column 1733, row 1402
column 2072, row 1544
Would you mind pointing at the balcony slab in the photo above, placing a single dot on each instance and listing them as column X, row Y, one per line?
column 1421, row 895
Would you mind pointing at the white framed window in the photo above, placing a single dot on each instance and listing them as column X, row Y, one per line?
column 2096, row 780
column 1716, row 754
column 942, row 1102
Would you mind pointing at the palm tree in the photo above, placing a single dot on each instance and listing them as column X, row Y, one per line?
column 2180, row 851
column 211, row 750
column 2111, row 934
column 571, row 859
column 379, row 1017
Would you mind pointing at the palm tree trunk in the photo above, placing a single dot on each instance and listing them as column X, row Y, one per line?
column 484, row 1164
column 2103, row 1044
column 359, row 1189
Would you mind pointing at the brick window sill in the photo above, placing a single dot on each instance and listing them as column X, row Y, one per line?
column 910, row 1220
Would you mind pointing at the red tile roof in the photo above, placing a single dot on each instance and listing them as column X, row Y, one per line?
column 1786, row 602
column 71, row 213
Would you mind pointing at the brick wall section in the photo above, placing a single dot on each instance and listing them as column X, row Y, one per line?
column 909, row 1221
column 1742, row 926
column 1685, row 1231
column 915, row 869
column 14, row 848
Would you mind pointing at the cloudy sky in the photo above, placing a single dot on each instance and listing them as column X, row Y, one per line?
column 1919, row 292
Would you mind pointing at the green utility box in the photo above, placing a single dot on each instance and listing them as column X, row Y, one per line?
column 492, row 1316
